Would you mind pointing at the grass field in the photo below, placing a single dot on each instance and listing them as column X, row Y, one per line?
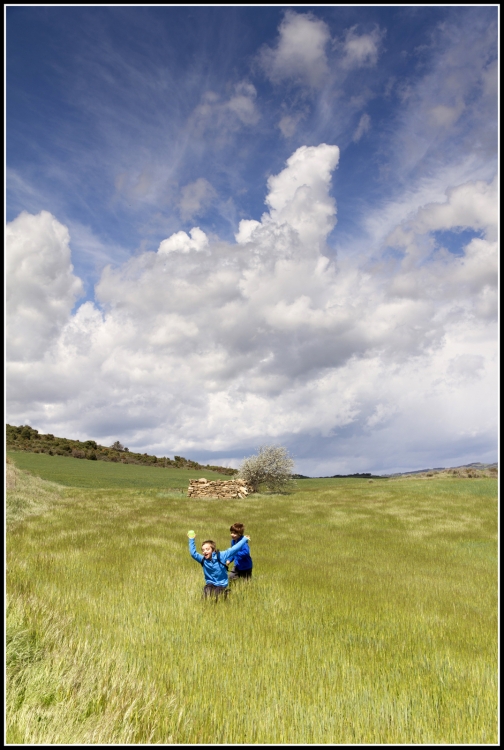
column 371, row 617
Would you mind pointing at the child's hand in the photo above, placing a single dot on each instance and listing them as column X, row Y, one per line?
column 191, row 534
column 247, row 537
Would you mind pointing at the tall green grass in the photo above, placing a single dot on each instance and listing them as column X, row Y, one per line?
column 371, row 618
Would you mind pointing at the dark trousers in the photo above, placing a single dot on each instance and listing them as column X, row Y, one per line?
column 212, row 590
column 240, row 574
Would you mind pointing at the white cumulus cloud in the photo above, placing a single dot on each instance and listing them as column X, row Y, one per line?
column 209, row 345
column 473, row 204
column 300, row 53
column 41, row 289
column 181, row 242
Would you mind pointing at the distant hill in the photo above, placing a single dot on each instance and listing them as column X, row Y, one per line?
column 477, row 468
column 356, row 476
column 468, row 470
column 342, row 476
column 28, row 439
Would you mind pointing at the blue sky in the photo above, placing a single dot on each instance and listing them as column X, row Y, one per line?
column 230, row 227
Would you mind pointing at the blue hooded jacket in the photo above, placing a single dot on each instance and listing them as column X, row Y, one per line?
column 214, row 571
column 243, row 561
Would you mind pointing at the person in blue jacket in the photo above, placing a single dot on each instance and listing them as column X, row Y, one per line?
column 213, row 563
column 242, row 561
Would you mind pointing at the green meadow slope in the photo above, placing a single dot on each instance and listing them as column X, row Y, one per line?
column 371, row 617
column 72, row 472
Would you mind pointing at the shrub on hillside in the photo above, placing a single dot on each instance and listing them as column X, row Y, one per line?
column 118, row 446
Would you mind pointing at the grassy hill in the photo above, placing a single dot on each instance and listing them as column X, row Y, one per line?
column 27, row 439
column 106, row 474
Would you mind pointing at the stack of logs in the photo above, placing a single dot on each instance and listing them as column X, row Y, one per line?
column 234, row 488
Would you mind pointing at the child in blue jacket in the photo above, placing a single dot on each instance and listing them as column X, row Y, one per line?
column 214, row 564
column 242, row 560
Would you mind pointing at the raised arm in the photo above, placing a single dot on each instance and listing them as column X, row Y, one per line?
column 192, row 551
column 231, row 552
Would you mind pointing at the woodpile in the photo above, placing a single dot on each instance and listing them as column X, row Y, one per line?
column 225, row 489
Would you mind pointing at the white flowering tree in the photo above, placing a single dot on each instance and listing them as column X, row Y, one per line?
column 271, row 469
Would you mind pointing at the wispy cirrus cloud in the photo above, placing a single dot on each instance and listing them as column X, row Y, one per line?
column 362, row 127
column 195, row 198
column 230, row 113
column 449, row 106
column 361, row 50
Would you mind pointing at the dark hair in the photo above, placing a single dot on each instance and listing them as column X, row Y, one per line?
column 211, row 543
column 237, row 528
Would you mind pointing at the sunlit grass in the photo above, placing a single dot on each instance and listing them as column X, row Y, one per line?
column 371, row 618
